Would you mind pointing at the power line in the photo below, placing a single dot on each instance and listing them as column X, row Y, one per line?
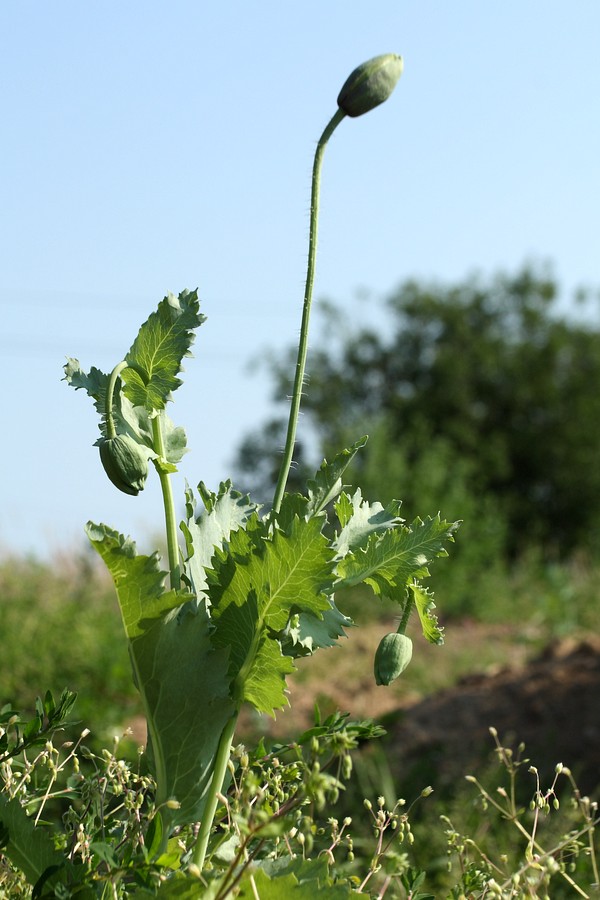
column 26, row 349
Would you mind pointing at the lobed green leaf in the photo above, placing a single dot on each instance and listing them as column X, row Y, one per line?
column 154, row 360
column 281, row 570
column 224, row 512
column 258, row 581
column 306, row 633
column 327, row 483
column 139, row 581
column 389, row 560
column 360, row 519
column 423, row 599
column 182, row 678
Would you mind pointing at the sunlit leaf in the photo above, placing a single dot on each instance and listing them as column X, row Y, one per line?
column 389, row 560
column 424, row 603
column 224, row 512
column 360, row 519
column 154, row 360
column 182, row 678
column 327, row 483
column 257, row 581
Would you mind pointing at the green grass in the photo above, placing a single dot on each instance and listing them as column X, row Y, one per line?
column 61, row 628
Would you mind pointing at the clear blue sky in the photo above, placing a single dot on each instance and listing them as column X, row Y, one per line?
column 151, row 146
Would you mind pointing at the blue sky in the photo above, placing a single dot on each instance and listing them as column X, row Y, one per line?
column 150, row 147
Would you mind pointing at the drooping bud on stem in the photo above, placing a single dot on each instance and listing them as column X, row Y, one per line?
column 367, row 87
column 123, row 459
column 370, row 84
column 392, row 657
column 125, row 463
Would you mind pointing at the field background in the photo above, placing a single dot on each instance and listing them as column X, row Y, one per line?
column 61, row 628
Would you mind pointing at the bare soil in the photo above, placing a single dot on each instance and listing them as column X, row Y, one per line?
column 552, row 704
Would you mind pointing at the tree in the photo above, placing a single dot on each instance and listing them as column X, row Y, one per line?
column 478, row 396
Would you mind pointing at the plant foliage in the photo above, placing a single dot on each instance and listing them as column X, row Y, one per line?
column 252, row 590
column 480, row 396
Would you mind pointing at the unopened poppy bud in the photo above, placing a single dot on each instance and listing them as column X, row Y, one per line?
column 392, row 657
column 370, row 84
column 125, row 463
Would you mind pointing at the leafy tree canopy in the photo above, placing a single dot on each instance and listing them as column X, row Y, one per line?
column 479, row 398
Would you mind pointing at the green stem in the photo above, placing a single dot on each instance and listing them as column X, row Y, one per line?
column 160, row 767
column 224, row 749
column 303, row 343
column 216, row 785
column 405, row 614
column 169, row 504
column 175, row 581
column 108, row 400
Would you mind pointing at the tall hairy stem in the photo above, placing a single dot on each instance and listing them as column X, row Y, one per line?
column 303, row 343
column 224, row 748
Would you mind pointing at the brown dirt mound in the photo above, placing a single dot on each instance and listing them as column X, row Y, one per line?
column 552, row 704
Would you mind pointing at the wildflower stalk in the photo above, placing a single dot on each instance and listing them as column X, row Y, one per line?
column 303, row 343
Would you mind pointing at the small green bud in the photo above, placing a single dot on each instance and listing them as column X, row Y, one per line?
column 392, row 657
column 370, row 84
column 346, row 767
column 125, row 463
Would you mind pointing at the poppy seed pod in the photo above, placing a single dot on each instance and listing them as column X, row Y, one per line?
column 392, row 657
column 125, row 463
column 370, row 84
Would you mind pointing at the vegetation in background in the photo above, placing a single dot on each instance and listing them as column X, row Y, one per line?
column 479, row 398
column 488, row 835
column 61, row 628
